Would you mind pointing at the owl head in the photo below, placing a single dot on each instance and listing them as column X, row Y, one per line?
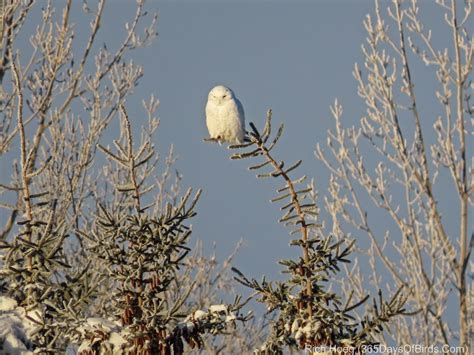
column 220, row 94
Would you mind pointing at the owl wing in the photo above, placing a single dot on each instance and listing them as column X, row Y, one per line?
column 211, row 119
column 240, row 109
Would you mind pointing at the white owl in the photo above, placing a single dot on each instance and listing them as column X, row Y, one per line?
column 225, row 118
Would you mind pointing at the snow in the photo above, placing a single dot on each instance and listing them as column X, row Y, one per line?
column 12, row 344
column 15, row 328
column 230, row 317
column 199, row 314
column 7, row 303
column 117, row 340
column 216, row 314
column 196, row 316
column 116, row 337
column 218, row 308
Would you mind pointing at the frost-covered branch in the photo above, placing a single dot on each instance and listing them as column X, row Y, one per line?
column 308, row 313
column 390, row 159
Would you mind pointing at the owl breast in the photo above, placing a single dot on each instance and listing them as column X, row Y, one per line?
column 224, row 122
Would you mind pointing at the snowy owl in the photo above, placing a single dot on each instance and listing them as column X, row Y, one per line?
column 225, row 116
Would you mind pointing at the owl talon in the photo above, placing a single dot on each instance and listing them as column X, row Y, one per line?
column 214, row 140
